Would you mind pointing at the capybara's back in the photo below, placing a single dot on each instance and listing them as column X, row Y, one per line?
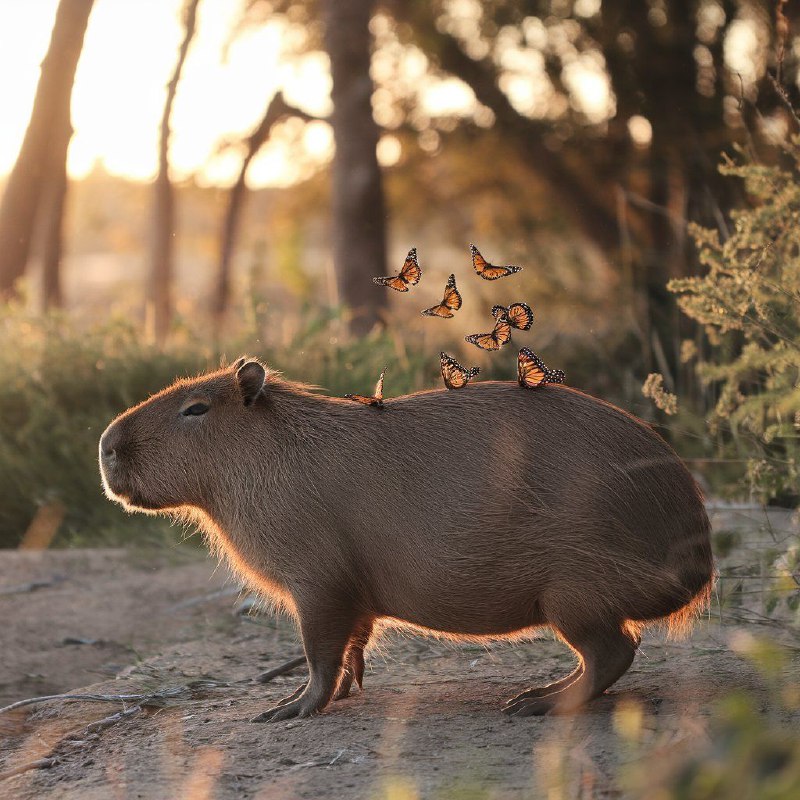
column 486, row 511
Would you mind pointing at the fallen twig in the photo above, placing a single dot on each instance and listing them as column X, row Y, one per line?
column 32, row 586
column 143, row 699
column 266, row 677
column 41, row 763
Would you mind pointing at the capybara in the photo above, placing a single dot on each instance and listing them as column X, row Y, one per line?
column 485, row 512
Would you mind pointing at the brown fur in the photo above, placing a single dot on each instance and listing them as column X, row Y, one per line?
column 484, row 512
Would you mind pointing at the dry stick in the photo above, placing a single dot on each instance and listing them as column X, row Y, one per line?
column 95, row 698
column 42, row 763
column 143, row 699
column 266, row 677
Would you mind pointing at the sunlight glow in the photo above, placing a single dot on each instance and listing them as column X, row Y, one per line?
column 128, row 58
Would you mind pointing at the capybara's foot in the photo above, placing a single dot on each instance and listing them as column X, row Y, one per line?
column 530, row 706
column 294, row 695
column 542, row 691
column 536, row 693
column 605, row 657
column 303, row 706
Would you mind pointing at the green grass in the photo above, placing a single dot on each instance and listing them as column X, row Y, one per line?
column 60, row 386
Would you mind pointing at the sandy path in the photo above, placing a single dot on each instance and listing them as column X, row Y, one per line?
column 427, row 725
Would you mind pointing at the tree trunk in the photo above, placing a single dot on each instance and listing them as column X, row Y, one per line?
column 52, row 233
column 359, row 216
column 277, row 110
column 162, row 250
column 41, row 150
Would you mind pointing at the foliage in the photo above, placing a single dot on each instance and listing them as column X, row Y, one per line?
column 60, row 385
column 748, row 754
column 653, row 388
column 748, row 303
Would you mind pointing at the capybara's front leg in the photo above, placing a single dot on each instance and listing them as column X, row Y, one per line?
column 605, row 652
column 326, row 635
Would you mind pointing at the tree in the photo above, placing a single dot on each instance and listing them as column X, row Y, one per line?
column 163, row 224
column 37, row 183
column 666, row 68
column 359, row 213
column 277, row 110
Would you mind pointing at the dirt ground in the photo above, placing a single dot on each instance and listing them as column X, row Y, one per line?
column 428, row 723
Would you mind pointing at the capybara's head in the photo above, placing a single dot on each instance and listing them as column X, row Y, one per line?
column 160, row 454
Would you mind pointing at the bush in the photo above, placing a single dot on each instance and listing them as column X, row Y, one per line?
column 60, row 385
column 749, row 306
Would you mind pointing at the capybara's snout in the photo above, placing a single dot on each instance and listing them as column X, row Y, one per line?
column 110, row 442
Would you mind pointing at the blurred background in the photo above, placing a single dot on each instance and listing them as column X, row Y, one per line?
column 184, row 181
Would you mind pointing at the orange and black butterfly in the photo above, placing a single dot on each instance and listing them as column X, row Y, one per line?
column 519, row 315
column 501, row 335
column 377, row 396
column 455, row 376
column 532, row 372
column 487, row 271
column 409, row 275
column 451, row 302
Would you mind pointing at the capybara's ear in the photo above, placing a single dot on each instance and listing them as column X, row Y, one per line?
column 238, row 363
column 251, row 377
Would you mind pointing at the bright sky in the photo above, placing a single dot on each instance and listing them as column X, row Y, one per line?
column 130, row 51
column 129, row 54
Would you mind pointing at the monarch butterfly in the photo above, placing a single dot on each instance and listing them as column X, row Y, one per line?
column 519, row 315
column 532, row 372
column 455, row 376
column 451, row 302
column 377, row 396
column 496, row 339
column 487, row 271
column 409, row 275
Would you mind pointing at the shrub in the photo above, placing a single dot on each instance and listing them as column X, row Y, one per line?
column 748, row 303
column 61, row 384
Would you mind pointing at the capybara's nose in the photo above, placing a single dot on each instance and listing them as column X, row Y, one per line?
column 109, row 443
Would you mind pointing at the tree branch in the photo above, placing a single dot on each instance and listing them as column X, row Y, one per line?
column 277, row 110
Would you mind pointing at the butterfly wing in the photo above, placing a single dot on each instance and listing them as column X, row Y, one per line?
column 393, row 282
column 451, row 302
column 554, row 376
column 498, row 310
column 411, row 271
column 492, row 273
column 531, row 371
column 364, row 400
column 455, row 376
column 486, row 341
column 520, row 316
column 409, row 275
column 502, row 331
column 479, row 263
column 379, row 386
column 452, row 297
column 487, row 271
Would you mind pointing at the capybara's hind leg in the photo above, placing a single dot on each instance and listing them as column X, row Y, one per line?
column 326, row 636
column 605, row 654
column 354, row 661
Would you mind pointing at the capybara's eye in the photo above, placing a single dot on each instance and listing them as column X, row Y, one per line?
column 195, row 410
